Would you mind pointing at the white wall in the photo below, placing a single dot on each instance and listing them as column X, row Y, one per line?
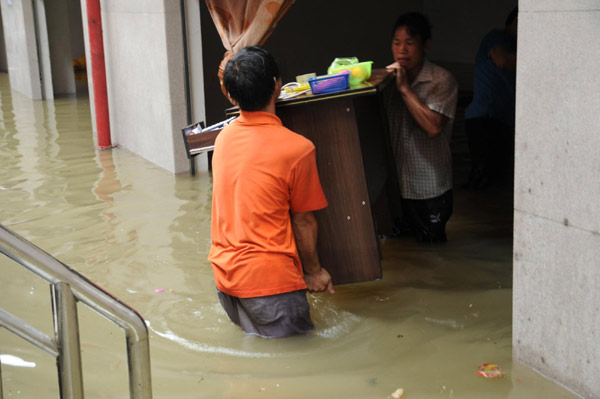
column 21, row 50
column 556, row 307
column 195, row 60
column 145, row 79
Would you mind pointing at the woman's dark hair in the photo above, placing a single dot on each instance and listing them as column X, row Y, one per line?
column 514, row 13
column 250, row 76
column 416, row 24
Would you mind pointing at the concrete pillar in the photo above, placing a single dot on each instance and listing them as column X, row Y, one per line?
column 88, row 57
column 176, row 81
column 21, row 47
column 556, row 307
column 44, row 50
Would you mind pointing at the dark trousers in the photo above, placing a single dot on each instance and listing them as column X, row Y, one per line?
column 491, row 145
column 427, row 218
column 272, row 316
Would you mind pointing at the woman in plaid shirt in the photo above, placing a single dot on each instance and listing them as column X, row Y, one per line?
column 420, row 108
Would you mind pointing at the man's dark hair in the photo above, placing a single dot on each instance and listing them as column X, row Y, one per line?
column 250, row 76
column 512, row 16
column 416, row 24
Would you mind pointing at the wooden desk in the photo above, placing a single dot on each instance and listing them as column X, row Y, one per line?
column 198, row 143
column 349, row 131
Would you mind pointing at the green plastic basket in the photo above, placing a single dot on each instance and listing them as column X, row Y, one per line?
column 359, row 71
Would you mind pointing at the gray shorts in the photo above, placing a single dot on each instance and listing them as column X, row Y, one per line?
column 272, row 316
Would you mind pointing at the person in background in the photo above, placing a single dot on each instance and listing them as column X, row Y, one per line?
column 265, row 189
column 490, row 118
column 420, row 108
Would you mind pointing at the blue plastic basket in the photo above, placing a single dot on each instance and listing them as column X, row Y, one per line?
column 329, row 83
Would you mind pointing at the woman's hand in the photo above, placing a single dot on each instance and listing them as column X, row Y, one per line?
column 401, row 77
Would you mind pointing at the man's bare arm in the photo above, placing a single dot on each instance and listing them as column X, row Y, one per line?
column 304, row 225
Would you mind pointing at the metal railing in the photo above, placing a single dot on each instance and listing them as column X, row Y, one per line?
column 69, row 287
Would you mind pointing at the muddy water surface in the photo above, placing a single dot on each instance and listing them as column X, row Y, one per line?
column 134, row 229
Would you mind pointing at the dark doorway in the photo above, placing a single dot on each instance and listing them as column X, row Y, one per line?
column 3, row 59
column 66, row 47
column 307, row 41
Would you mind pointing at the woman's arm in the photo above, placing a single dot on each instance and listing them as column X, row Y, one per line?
column 431, row 122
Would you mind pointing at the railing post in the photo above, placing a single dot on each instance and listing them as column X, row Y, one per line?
column 138, row 351
column 66, row 331
column 1, row 391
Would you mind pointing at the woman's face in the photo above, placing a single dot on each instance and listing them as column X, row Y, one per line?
column 409, row 51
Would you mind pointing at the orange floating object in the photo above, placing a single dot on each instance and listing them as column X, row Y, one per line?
column 489, row 370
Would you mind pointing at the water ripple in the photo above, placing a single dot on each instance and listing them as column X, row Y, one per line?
column 200, row 347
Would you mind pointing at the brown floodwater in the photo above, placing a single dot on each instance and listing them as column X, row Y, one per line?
column 133, row 228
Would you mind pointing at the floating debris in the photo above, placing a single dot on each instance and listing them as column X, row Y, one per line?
column 397, row 394
column 489, row 370
column 453, row 324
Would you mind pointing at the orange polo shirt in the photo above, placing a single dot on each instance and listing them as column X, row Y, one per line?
column 261, row 172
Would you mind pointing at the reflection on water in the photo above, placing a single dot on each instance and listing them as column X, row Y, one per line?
column 143, row 235
column 11, row 360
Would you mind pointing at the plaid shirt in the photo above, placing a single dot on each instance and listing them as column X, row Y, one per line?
column 424, row 164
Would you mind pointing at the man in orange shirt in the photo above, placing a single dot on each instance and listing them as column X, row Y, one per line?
column 265, row 189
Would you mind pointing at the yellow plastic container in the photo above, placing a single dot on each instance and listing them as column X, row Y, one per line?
column 359, row 72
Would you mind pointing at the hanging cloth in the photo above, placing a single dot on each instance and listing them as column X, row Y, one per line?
column 244, row 23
